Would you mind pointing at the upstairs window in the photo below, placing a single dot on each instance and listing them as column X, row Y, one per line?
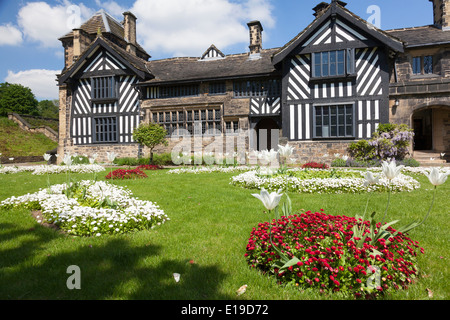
column 257, row 88
column 422, row 65
column 103, row 88
column 217, row 88
column 334, row 63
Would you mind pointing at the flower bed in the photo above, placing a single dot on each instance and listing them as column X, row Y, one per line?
column 122, row 174
column 315, row 165
column 328, row 257
column 197, row 170
column 293, row 181
column 53, row 169
column 149, row 167
column 91, row 208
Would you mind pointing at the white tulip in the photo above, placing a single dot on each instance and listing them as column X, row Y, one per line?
column 436, row 178
column 270, row 201
column 111, row 156
column 47, row 156
column 285, row 151
column 370, row 179
column 390, row 170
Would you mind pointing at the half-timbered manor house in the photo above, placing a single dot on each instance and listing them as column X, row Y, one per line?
column 332, row 84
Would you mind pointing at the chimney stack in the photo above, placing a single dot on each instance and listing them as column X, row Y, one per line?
column 256, row 30
column 441, row 14
column 80, row 42
column 129, row 26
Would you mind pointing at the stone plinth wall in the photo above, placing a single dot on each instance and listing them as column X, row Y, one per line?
column 123, row 151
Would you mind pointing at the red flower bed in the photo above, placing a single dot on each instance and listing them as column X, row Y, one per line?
column 126, row 174
column 315, row 165
column 329, row 258
column 149, row 167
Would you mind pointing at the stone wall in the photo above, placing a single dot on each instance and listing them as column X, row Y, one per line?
column 24, row 125
column 318, row 151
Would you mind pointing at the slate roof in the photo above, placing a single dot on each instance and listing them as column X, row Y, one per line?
column 421, row 36
column 196, row 69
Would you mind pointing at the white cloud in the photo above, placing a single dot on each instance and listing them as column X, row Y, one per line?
column 44, row 24
column 111, row 7
column 42, row 82
column 189, row 27
column 10, row 35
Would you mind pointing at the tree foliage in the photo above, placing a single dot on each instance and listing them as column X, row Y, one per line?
column 17, row 98
column 150, row 135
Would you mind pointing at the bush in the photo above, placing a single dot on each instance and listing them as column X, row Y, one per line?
column 338, row 162
column 126, row 174
column 329, row 260
column 315, row 165
column 361, row 150
column 389, row 141
column 409, row 162
column 164, row 159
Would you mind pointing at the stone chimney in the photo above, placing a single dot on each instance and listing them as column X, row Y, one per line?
column 441, row 14
column 323, row 6
column 256, row 30
column 129, row 26
column 80, row 43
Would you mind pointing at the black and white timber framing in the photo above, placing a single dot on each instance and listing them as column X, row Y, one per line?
column 359, row 92
column 105, row 102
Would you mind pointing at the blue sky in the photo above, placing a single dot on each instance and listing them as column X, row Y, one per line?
column 31, row 55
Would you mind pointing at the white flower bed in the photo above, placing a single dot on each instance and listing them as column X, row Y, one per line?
column 253, row 180
column 86, row 213
column 51, row 169
column 197, row 170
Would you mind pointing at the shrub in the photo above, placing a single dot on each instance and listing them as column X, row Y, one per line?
column 126, row 174
column 409, row 162
column 329, row 259
column 315, row 165
column 389, row 141
column 361, row 150
column 338, row 162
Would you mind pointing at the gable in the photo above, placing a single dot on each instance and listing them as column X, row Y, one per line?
column 103, row 57
column 337, row 27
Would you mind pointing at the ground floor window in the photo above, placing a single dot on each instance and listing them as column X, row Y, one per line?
column 192, row 121
column 105, row 129
column 335, row 121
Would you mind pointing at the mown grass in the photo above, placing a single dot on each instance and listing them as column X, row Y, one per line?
column 204, row 241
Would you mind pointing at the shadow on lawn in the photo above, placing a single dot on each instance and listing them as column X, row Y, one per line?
column 110, row 268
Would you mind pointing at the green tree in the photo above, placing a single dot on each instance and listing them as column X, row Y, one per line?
column 150, row 135
column 17, row 98
column 49, row 109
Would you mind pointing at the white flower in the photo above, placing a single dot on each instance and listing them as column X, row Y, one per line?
column 345, row 158
column 371, row 179
column 390, row 170
column 67, row 159
column 436, row 178
column 91, row 160
column 285, row 151
column 47, row 156
column 111, row 156
column 337, row 155
column 270, row 201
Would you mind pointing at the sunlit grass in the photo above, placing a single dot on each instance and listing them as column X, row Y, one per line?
column 204, row 241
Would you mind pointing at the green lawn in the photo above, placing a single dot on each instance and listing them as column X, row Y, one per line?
column 210, row 224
